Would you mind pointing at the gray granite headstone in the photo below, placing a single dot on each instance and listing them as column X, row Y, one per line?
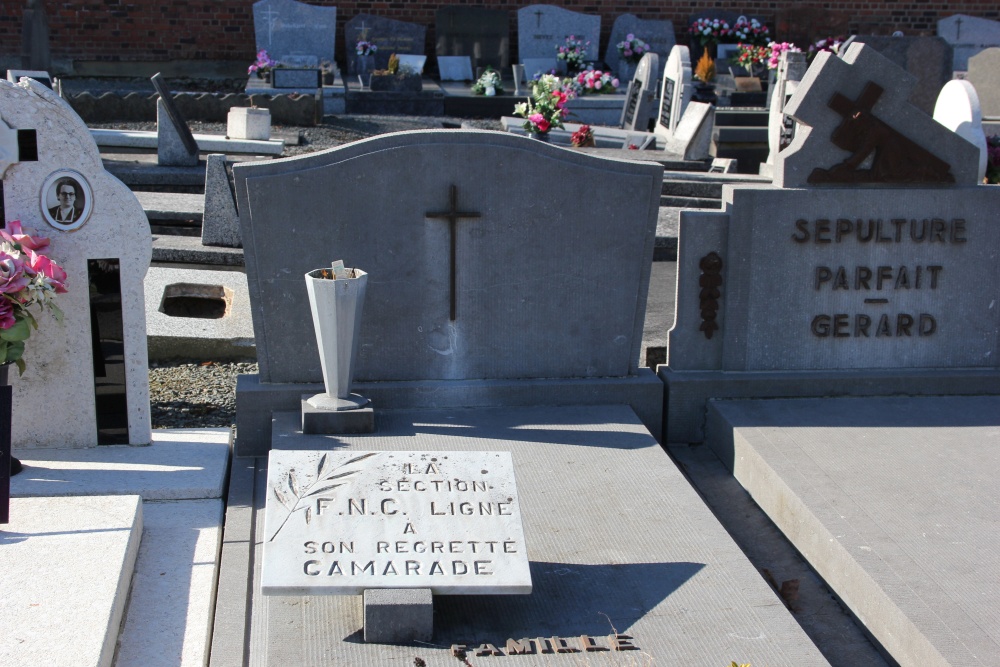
column 927, row 58
column 294, row 31
column 658, row 34
column 968, row 35
column 524, row 268
column 481, row 34
column 869, row 266
column 389, row 35
column 220, row 224
column 541, row 29
column 984, row 74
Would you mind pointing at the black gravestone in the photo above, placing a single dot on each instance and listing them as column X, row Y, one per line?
column 389, row 35
column 481, row 34
column 6, row 399
column 631, row 103
column 35, row 53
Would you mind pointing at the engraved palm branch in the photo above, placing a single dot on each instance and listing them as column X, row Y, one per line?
column 290, row 492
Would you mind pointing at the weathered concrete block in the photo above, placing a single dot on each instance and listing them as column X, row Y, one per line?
column 398, row 615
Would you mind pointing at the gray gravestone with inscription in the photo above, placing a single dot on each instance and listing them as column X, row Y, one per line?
column 541, row 29
column 294, row 31
column 867, row 268
column 339, row 523
column 659, row 35
column 389, row 35
column 780, row 126
column 968, row 35
column 443, row 306
column 984, row 74
column 481, row 34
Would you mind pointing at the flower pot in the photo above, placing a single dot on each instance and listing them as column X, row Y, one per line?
column 336, row 312
column 540, row 136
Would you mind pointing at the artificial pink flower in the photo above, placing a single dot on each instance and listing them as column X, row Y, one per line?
column 14, row 234
column 12, row 278
column 54, row 274
column 543, row 125
column 6, row 314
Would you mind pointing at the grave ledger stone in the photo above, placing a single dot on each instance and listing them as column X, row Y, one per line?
column 866, row 269
column 481, row 34
column 473, row 299
column 541, row 29
column 295, row 33
column 88, row 373
column 389, row 35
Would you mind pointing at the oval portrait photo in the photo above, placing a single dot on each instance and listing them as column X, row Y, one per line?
column 66, row 200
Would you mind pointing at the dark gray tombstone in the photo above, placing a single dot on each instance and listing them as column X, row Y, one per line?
column 389, row 35
column 177, row 123
column 465, row 284
column 294, row 32
column 658, row 34
column 6, row 412
column 927, row 58
column 482, row 34
column 35, row 52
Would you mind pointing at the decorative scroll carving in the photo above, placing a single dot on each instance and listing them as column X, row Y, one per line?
column 894, row 157
column 710, row 282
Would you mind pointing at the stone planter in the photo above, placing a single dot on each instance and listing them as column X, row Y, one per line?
column 336, row 312
column 248, row 123
column 396, row 83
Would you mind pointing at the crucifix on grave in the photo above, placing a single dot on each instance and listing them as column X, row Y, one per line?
column 453, row 215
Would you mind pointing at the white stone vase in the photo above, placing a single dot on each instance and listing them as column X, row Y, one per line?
column 336, row 312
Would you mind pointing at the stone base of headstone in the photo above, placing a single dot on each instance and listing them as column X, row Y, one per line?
column 248, row 123
column 170, row 150
column 324, row 417
column 397, row 615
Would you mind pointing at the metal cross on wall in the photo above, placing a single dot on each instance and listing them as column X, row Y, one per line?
column 452, row 216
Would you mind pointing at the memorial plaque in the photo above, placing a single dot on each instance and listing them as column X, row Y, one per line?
column 389, row 35
column 338, row 523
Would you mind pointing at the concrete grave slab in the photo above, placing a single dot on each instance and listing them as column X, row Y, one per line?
column 658, row 34
column 596, row 585
column 968, row 35
column 983, row 74
column 958, row 109
column 180, row 464
column 290, row 30
column 692, row 138
column 890, row 499
column 172, row 602
column 389, row 35
column 541, row 29
column 197, row 312
column 65, row 569
column 481, row 34
column 448, row 522
column 111, row 226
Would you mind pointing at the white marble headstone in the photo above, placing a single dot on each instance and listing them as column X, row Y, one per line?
column 54, row 401
column 341, row 522
column 958, row 109
column 677, row 89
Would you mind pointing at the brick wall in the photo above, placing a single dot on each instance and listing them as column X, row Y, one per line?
column 164, row 30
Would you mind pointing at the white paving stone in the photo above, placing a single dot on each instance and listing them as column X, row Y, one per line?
column 171, row 609
column 181, row 464
column 65, row 568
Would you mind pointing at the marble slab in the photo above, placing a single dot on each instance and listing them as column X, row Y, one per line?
column 338, row 523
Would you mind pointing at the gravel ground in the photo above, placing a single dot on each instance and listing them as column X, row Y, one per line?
column 198, row 394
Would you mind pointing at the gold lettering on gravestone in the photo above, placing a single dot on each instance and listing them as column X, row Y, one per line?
column 877, row 282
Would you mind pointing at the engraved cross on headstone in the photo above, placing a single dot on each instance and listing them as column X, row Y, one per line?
column 452, row 216
column 269, row 15
column 958, row 28
column 538, row 21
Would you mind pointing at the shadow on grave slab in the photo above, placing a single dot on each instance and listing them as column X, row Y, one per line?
column 568, row 599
